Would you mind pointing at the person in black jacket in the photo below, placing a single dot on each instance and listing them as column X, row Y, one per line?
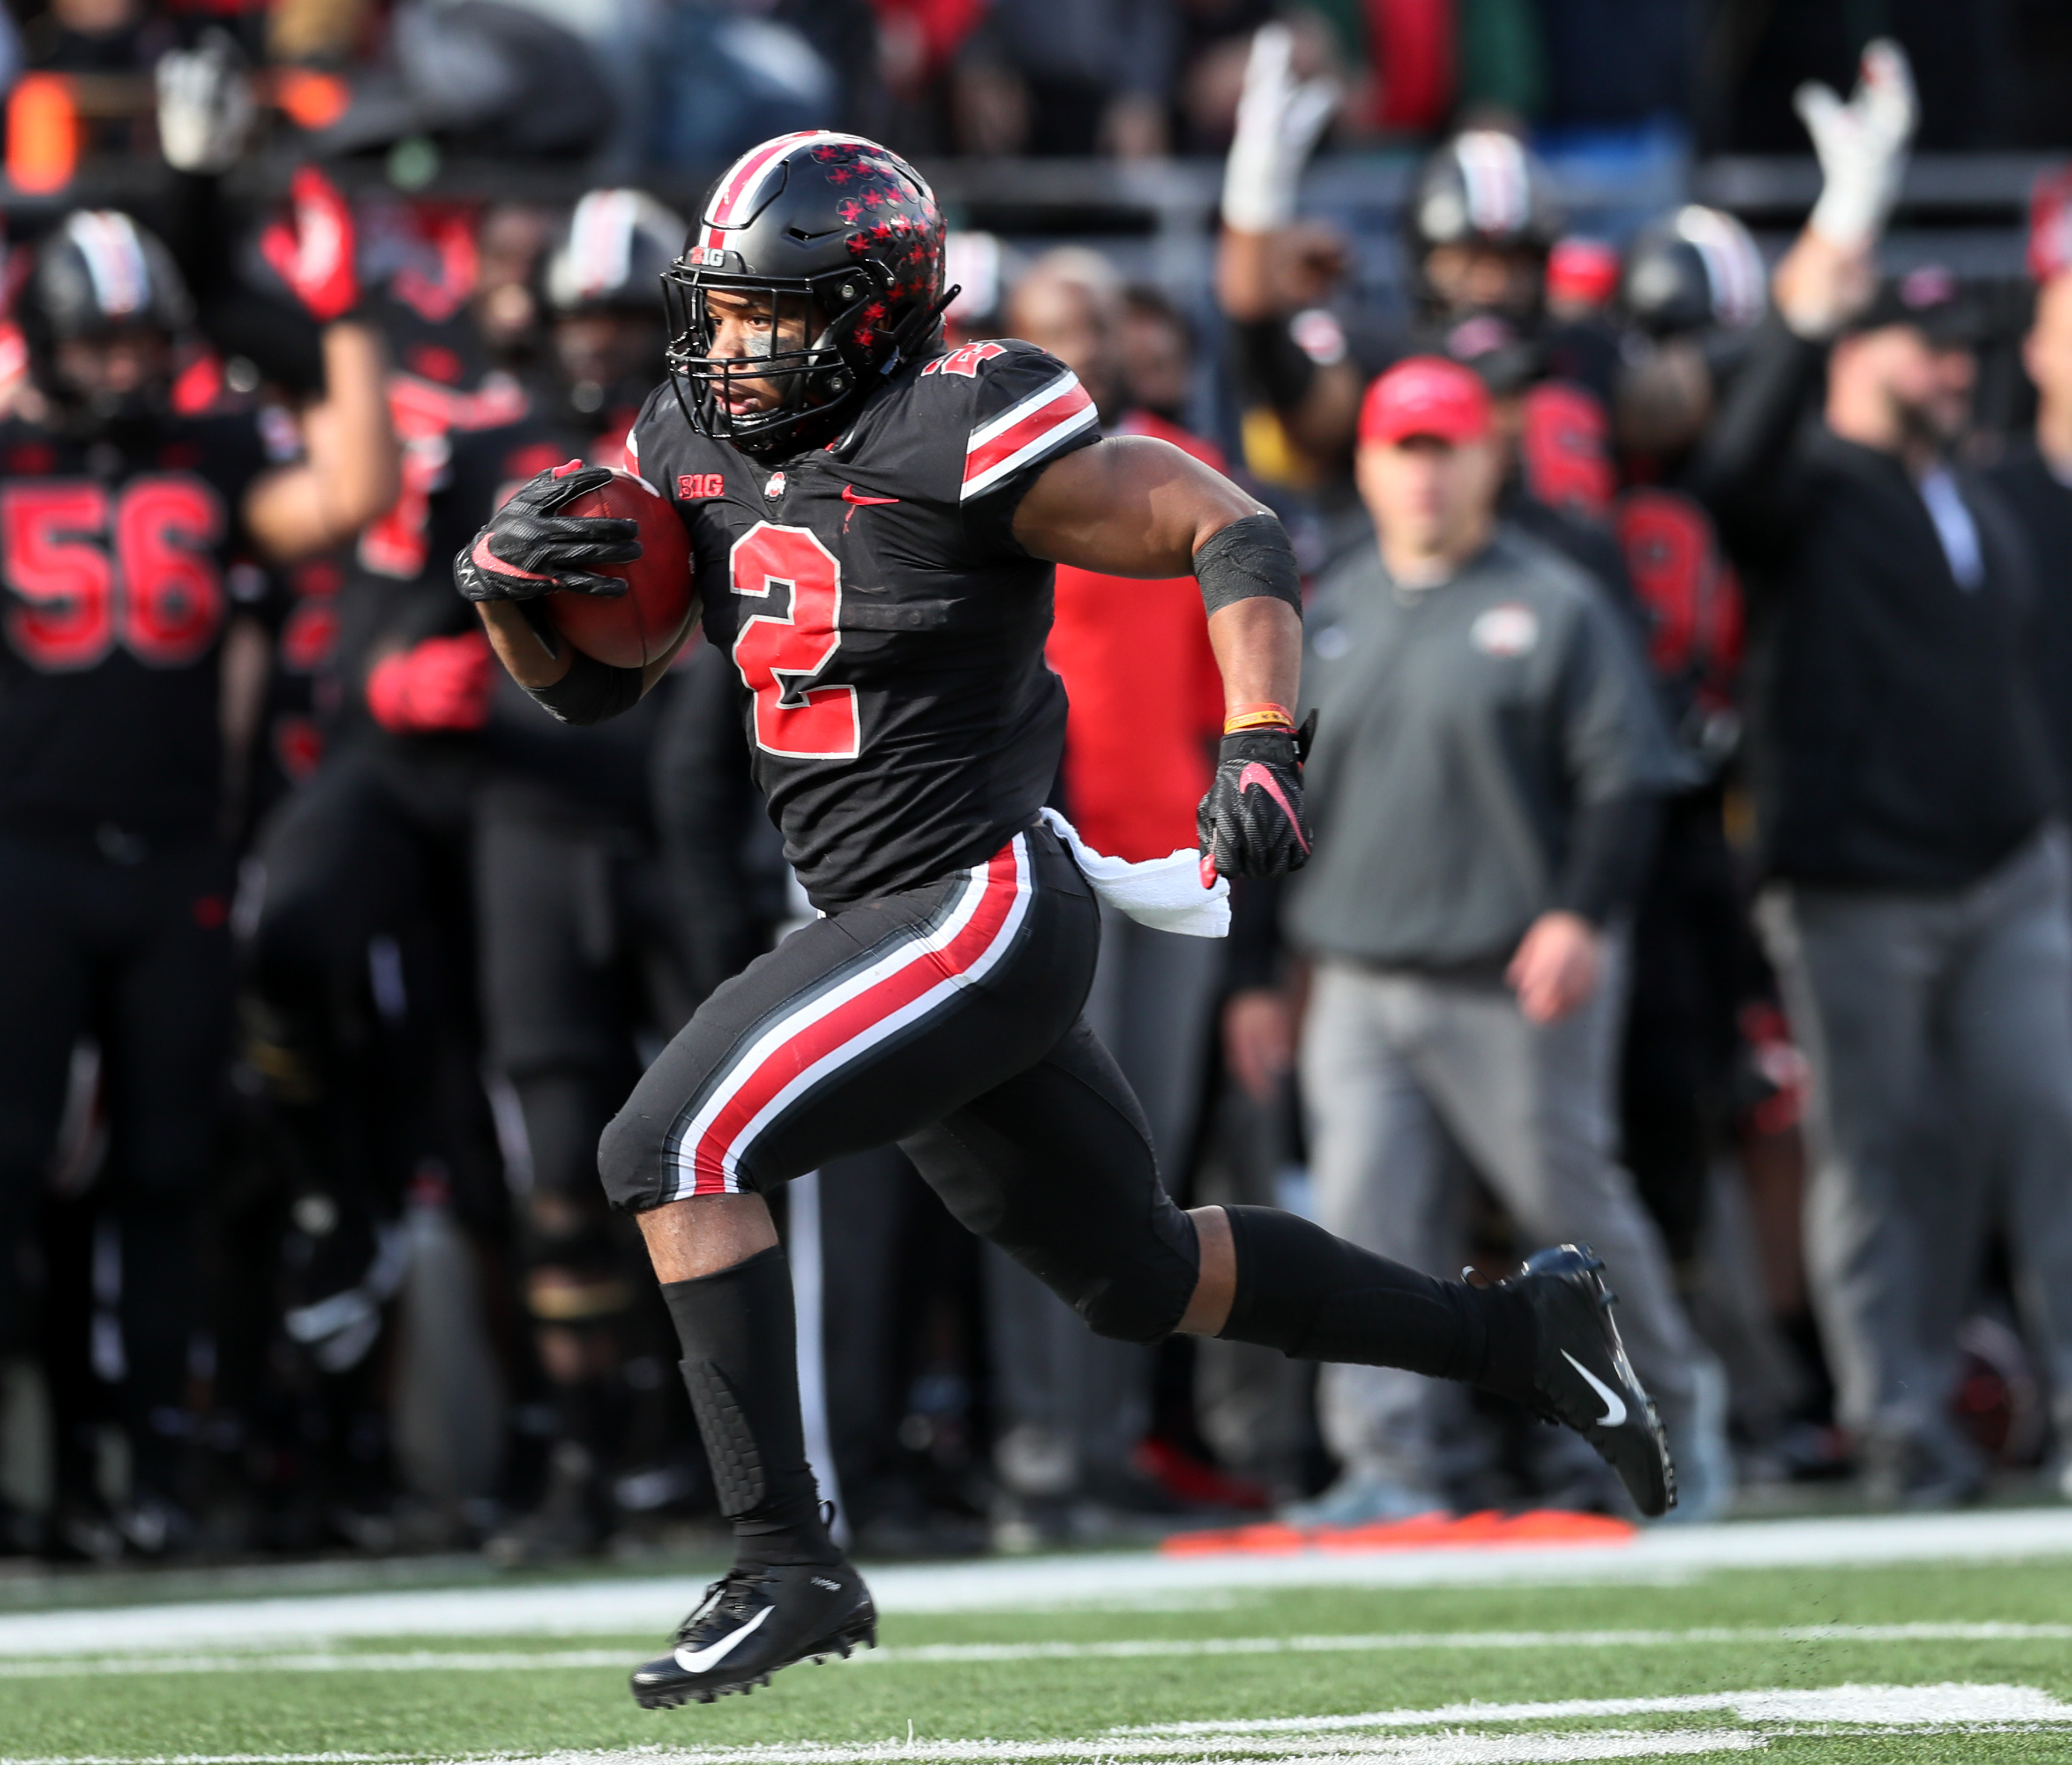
column 1917, row 893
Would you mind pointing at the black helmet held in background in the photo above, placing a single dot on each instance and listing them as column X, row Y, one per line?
column 619, row 246
column 1484, row 188
column 1697, row 269
column 839, row 233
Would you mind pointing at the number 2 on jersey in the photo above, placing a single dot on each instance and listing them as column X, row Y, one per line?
column 165, row 602
column 777, row 655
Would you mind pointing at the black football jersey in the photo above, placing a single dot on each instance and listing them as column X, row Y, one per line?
column 119, row 569
column 888, row 627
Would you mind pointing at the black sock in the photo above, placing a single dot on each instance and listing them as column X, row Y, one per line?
column 741, row 1367
column 1317, row 1297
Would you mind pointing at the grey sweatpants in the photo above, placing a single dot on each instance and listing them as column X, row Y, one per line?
column 1903, row 1004
column 1072, row 1403
column 1398, row 1070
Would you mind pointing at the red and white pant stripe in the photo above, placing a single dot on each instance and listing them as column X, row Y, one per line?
column 917, row 978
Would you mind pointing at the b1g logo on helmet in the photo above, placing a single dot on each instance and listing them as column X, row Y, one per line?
column 711, row 257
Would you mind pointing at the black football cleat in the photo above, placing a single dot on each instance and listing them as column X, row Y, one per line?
column 753, row 1621
column 1585, row 1379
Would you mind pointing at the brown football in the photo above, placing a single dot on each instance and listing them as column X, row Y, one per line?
column 632, row 629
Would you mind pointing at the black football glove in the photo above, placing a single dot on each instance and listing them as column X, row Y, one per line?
column 1250, row 822
column 528, row 550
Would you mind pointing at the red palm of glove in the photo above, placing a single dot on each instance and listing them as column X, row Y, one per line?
column 443, row 683
column 313, row 252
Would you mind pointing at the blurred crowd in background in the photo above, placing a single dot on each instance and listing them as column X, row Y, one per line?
column 1709, row 898
column 680, row 84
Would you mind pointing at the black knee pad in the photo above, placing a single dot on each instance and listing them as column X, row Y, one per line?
column 629, row 1159
column 1143, row 1300
column 1132, row 1311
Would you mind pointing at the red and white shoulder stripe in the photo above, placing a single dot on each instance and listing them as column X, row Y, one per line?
column 1024, row 434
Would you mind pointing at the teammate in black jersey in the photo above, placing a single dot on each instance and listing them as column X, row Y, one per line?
column 873, row 520
column 124, row 530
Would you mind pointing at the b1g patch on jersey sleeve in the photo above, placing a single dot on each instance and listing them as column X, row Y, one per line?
column 1026, row 407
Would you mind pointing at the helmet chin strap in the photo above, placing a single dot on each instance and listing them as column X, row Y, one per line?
column 915, row 328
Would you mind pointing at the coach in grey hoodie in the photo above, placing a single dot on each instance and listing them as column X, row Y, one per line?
column 1483, row 790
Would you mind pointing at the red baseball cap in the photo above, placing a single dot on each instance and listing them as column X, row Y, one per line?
column 1426, row 394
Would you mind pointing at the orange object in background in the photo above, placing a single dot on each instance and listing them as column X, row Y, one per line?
column 1437, row 1531
column 42, row 134
column 310, row 100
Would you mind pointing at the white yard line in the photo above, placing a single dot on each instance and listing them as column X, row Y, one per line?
column 1364, row 1737
column 1879, row 1706
column 1454, row 1749
column 635, row 1606
column 938, row 1654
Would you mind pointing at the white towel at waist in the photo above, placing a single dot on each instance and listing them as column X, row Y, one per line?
column 1165, row 894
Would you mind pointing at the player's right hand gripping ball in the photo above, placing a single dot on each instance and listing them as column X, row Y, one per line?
column 529, row 548
column 1250, row 823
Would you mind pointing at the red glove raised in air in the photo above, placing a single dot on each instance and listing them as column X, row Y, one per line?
column 312, row 251
column 443, row 683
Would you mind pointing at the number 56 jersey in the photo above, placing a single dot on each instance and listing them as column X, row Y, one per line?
column 116, row 583
column 889, row 630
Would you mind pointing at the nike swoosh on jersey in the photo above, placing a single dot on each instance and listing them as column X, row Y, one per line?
column 1615, row 1404
column 1256, row 774
column 849, row 495
column 703, row 1661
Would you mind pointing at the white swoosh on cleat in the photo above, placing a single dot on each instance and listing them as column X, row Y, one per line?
column 1614, row 1414
column 703, row 1661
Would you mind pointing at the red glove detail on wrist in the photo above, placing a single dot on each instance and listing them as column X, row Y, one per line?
column 313, row 251
column 444, row 683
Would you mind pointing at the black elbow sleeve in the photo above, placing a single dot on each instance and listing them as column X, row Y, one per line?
column 1247, row 560
column 591, row 692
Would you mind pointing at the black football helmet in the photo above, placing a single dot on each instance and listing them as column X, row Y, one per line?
column 97, row 274
column 101, row 271
column 832, row 228
column 1697, row 269
column 619, row 246
column 1485, row 187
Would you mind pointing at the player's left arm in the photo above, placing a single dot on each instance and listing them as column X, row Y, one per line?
column 350, row 471
column 1131, row 505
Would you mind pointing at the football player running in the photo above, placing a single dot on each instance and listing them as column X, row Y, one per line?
column 874, row 521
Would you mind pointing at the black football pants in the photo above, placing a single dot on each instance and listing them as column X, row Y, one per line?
column 136, row 955
column 358, row 978
column 945, row 1018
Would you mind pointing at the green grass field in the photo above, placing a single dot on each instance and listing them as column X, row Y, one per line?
column 1085, row 1682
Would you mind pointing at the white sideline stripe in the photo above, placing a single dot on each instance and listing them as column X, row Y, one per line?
column 1455, row 1749
column 635, row 1606
column 1877, row 1706
column 939, row 1654
column 1430, row 1750
column 1314, row 1738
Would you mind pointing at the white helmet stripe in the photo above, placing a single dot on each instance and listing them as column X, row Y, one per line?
column 736, row 200
column 1493, row 168
column 601, row 240
column 115, row 261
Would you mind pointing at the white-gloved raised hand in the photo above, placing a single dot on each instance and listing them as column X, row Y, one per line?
column 1278, row 122
column 206, row 108
column 1861, row 144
